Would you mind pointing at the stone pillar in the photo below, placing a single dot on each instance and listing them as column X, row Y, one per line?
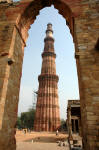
column 77, row 130
column 10, row 76
column 69, row 123
column 79, row 125
column 87, row 58
column 74, row 125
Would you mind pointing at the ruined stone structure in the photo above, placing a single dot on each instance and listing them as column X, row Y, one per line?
column 82, row 18
column 47, row 109
column 73, row 117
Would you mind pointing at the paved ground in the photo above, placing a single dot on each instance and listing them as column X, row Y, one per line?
column 40, row 141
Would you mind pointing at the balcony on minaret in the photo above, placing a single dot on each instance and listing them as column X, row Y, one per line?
column 49, row 31
column 49, row 42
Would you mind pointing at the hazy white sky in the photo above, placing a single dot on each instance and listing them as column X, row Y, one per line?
column 65, row 61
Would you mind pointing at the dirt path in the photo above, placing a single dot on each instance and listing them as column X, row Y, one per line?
column 39, row 146
column 40, row 136
column 40, row 141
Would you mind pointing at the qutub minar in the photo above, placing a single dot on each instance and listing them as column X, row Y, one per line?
column 47, row 108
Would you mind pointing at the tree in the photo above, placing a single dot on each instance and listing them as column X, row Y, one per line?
column 26, row 120
column 63, row 126
column 19, row 124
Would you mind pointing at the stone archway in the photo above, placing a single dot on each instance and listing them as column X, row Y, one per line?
column 15, row 20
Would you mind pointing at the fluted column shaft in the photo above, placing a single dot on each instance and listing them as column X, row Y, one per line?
column 47, row 113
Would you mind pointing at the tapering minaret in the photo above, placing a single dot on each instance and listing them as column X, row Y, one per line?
column 47, row 108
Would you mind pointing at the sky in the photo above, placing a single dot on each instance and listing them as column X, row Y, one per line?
column 65, row 61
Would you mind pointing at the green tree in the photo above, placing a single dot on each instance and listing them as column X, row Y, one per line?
column 19, row 124
column 63, row 125
column 26, row 120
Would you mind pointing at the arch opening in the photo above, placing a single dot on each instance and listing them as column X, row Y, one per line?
column 32, row 10
column 62, row 56
column 64, row 38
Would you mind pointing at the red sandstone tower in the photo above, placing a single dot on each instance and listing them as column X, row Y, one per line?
column 47, row 108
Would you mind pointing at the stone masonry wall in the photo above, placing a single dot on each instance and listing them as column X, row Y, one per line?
column 11, row 57
column 87, row 32
column 15, row 20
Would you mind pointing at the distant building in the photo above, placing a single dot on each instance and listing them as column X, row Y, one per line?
column 73, row 117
